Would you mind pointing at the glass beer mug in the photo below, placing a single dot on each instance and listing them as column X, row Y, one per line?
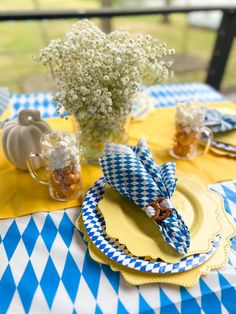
column 60, row 155
column 190, row 132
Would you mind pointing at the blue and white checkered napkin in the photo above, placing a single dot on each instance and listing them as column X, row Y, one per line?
column 219, row 122
column 133, row 172
column 4, row 98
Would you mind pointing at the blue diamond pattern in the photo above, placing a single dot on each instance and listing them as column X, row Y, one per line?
column 30, row 236
column 49, row 232
column 66, row 229
column 50, row 281
column 98, row 310
column 144, row 307
column 163, row 95
column 36, row 104
column 233, row 241
column 112, row 276
column 227, row 208
column 71, row 277
column 188, row 302
column 228, row 194
column 228, row 293
column 91, row 272
column 28, row 279
column 210, row 302
column 167, row 306
column 16, row 106
column 11, row 239
column 121, row 309
column 7, row 289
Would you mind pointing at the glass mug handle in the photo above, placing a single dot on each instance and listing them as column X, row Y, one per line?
column 32, row 156
column 208, row 135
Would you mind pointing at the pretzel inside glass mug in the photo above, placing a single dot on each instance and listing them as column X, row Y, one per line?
column 60, row 154
column 190, row 131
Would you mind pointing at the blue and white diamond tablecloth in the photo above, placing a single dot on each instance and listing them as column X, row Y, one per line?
column 45, row 266
column 163, row 95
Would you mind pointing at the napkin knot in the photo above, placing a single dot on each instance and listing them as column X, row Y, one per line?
column 160, row 209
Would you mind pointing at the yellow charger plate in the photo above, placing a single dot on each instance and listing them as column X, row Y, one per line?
column 132, row 227
column 186, row 279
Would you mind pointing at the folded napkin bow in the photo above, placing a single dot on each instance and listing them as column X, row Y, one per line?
column 219, row 122
column 133, row 172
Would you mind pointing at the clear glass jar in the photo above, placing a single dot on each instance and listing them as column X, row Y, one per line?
column 94, row 135
column 60, row 154
column 186, row 142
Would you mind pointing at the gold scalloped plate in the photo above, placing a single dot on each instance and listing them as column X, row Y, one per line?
column 132, row 227
column 186, row 279
column 222, row 152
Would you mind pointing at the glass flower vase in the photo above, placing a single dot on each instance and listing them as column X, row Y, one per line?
column 93, row 135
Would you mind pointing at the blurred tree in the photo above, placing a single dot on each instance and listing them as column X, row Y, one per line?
column 166, row 19
column 42, row 29
column 106, row 24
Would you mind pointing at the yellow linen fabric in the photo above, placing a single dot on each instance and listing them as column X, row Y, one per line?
column 22, row 195
column 159, row 129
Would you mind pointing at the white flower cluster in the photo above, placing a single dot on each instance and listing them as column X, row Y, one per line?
column 190, row 116
column 98, row 74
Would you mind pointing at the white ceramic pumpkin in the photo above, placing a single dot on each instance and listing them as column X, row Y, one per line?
column 22, row 136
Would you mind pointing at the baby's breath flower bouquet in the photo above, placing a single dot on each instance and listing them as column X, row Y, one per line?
column 99, row 74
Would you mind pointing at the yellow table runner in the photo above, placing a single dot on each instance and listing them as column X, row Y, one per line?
column 21, row 195
column 158, row 129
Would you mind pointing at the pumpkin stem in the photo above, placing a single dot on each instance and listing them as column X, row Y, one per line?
column 26, row 116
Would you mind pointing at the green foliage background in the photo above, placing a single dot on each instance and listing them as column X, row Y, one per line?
column 19, row 41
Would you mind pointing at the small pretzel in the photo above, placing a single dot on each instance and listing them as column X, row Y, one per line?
column 164, row 214
column 160, row 212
